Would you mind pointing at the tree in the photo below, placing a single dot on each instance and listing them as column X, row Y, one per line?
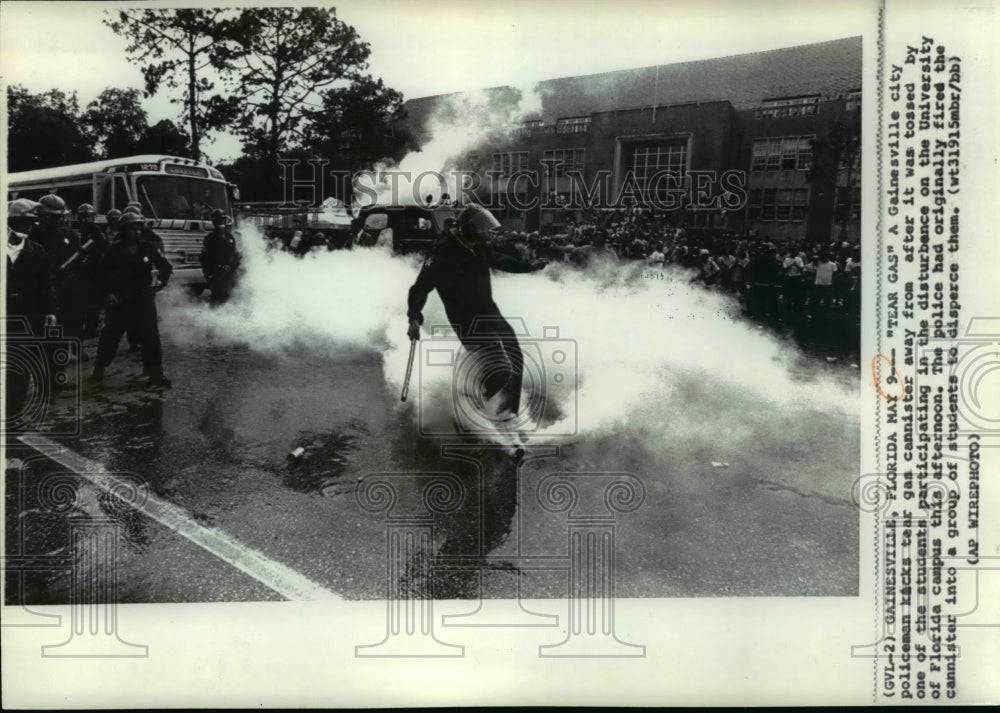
column 164, row 137
column 260, row 179
column 116, row 122
column 359, row 125
column 43, row 130
column 178, row 46
column 283, row 57
column 836, row 166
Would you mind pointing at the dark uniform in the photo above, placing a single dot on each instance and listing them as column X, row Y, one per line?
column 60, row 244
column 30, row 291
column 150, row 236
column 127, row 270
column 93, row 244
column 220, row 260
column 147, row 235
column 461, row 276
column 30, row 298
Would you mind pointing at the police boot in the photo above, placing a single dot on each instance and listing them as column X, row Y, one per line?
column 160, row 380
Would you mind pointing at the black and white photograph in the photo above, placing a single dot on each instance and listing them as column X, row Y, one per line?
column 497, row 333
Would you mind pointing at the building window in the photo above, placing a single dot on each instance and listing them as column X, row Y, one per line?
column 573, row 125
column 800, row 203
column 646, row 160
column 753, row 205
column 853, row 100
column 787, row 106
column 773, row 154
column 783, row 153
column 510, row 162
column 525, row 128
column 779, row 205
column 805, row 153
column 561, row 161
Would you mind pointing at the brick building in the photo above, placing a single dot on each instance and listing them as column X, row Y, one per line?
column 764, row 118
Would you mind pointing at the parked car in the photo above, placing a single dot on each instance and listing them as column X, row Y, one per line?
column 409, row 228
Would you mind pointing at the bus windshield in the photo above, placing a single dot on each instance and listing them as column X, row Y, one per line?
column 180, row 197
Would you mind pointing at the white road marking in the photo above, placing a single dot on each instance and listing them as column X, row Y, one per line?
column 283, row 580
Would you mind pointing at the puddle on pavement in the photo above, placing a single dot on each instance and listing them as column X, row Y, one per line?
column 317, row 462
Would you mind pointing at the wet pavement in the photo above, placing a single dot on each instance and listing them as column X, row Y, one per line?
column 270, row 451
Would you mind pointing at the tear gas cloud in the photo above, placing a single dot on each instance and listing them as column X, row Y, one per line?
column 459, row 123
column 657, row 359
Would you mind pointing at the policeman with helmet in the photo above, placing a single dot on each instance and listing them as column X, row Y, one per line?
column 130, row 302
column 62, row 245
column 459, row 269
column 114, row 215
column 220, row 257
column 94, row 242
column 146, row 233
column 30, row 291
column 30, row 297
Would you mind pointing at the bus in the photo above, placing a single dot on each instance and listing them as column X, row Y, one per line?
column 177, row 195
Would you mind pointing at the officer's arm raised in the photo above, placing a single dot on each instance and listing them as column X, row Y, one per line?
column 509, row 263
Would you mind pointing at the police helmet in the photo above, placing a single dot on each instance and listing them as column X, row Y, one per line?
column 476, row 223
column 219, row 217
column 22, row 208
column 131, row 219
column 132, row 208
column 85, row 209
column 52, row 205
column 21, row 215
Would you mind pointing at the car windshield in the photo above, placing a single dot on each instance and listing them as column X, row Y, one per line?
column 180, row 197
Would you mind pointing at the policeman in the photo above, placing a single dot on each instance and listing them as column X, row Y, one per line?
column 30, row 292
column 131, row 299
column 86, row 220
column 93, row 244
column 458, row 267
column 114, row 215
column 30, row 297
column 146, row 234
column 131, row 333
column 220, row 257
column 62, row 245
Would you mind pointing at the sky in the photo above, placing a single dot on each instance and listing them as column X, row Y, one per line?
column 426, row 47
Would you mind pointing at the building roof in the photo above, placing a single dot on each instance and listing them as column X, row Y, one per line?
column 829, row 69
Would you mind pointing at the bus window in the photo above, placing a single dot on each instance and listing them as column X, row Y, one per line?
column 111, row 193
column 180, row 197
column 75, row 196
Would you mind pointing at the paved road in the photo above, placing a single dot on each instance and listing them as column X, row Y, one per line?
column 773, row 516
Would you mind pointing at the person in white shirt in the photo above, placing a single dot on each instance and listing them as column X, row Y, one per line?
column 794, row 291
column 823, row 286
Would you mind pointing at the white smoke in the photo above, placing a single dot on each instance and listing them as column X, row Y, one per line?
column 657, row 359
column 459, row 123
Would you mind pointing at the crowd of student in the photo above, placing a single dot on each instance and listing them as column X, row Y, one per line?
column 810, row 289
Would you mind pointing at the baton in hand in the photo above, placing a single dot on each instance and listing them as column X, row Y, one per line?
column 409, row 369
column 77, row 254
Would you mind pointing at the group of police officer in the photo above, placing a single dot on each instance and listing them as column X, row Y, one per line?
column 59, row 278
